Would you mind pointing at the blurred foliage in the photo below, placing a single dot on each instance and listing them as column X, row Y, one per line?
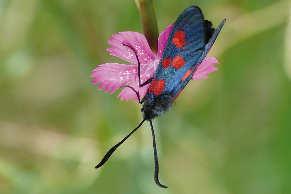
column 227, row 134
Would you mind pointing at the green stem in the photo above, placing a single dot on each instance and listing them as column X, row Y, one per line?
column 149, row 22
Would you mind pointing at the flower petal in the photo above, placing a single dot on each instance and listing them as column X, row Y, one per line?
column 206, row 67
column 134, row 39
column 111, row 76
column 163, row 39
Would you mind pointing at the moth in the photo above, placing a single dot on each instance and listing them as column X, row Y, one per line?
column 189, row 41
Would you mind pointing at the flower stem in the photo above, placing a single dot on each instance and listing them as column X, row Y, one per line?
column 149, row 22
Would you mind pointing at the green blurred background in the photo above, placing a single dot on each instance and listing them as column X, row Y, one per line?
column 229, row 134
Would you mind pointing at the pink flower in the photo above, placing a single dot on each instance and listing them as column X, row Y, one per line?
column 111, row 76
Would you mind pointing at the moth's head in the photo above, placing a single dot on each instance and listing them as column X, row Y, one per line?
column 156, row 105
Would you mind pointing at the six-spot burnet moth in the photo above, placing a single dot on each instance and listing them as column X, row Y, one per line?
column 187, row 45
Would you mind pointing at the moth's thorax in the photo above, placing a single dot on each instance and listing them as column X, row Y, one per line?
column 154, row 106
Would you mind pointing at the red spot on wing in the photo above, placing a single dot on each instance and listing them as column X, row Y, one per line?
column 157, row 87
column 178, row 62
column 186, row 75
column 179, row 39
column 166, row 62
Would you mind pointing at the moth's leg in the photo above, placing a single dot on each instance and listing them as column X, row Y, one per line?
column 138, row 67
column 134, row 90
column 146, row 82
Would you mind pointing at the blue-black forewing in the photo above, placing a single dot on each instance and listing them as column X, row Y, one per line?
column 192, row 22
column 200, row 37
column 210, row 41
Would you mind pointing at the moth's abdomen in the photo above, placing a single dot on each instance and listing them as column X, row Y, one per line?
column 154, row 106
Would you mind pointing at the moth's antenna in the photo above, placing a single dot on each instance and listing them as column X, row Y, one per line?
column 156, row 177
column 110, row 152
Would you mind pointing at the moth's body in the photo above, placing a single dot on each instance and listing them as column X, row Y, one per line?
column 187, row 46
